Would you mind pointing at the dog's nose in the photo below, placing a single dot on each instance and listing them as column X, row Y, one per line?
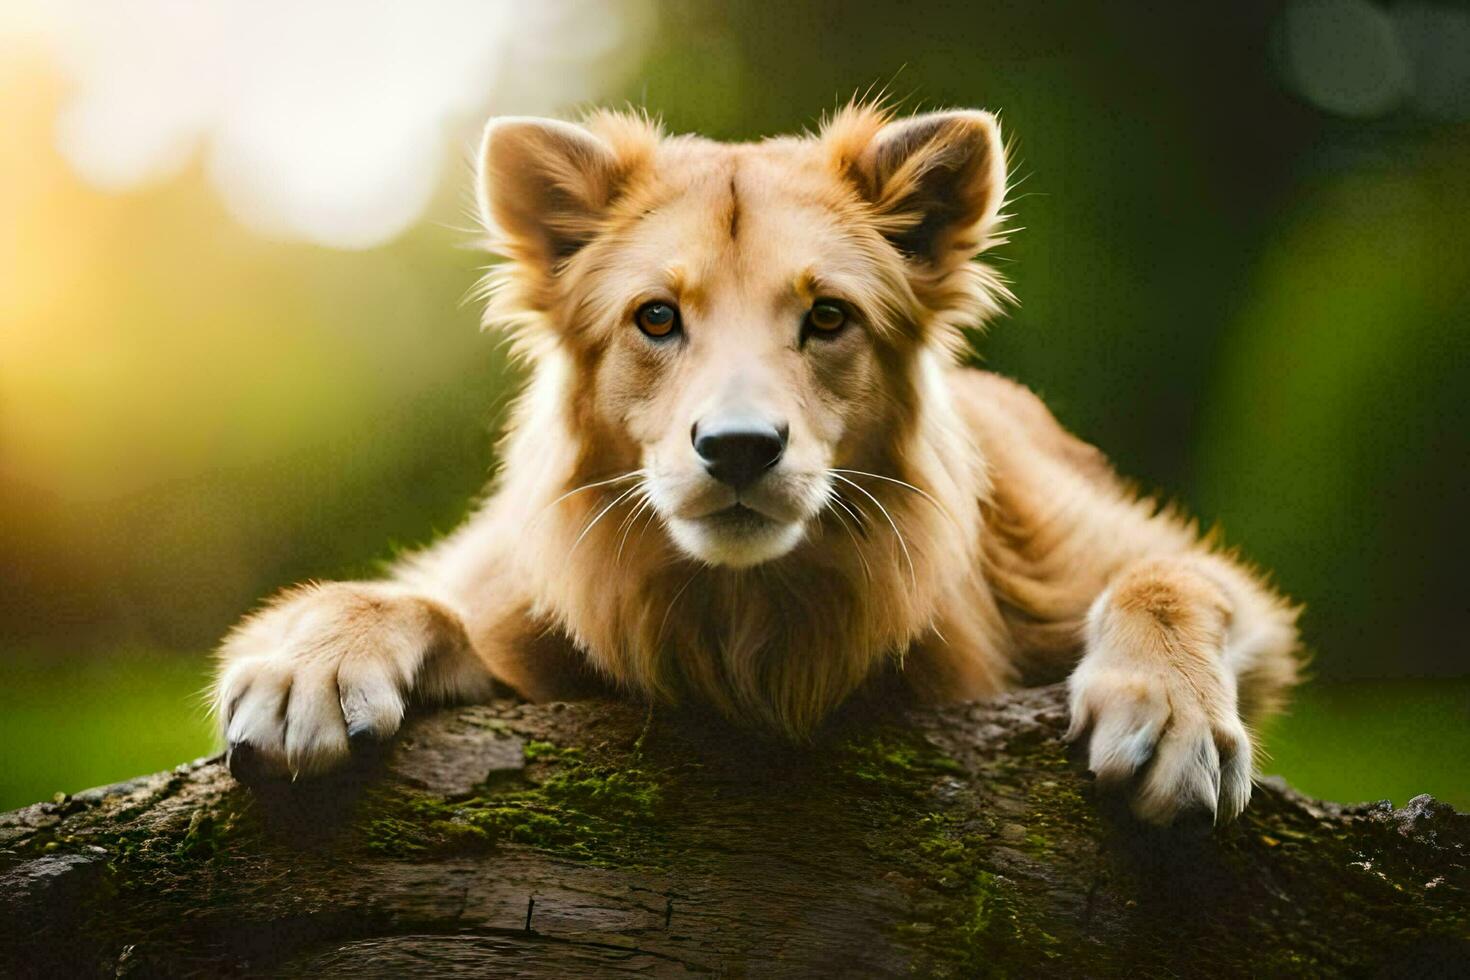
column 738, row 450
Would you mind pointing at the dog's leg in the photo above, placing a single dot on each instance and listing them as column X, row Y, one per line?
column 325, row 666
column 1173, row 646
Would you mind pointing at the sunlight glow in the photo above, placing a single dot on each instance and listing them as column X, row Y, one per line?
column 327, row 121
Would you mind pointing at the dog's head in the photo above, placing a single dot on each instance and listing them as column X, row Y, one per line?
column 741, row 323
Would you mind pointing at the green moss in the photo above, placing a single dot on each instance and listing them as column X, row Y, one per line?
column 568, row 804
column 541, row 750
column 969, row 919
column 203, row 838
column 1001, row 921
column 1056, row 810
column 989, row 925
column 895, row 759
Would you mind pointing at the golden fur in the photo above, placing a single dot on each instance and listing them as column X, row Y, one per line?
column 926, row 520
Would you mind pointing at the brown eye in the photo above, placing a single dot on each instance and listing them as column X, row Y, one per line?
column 657, row 320
column 826, row 317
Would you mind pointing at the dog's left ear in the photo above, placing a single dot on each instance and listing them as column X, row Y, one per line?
column 937, row 181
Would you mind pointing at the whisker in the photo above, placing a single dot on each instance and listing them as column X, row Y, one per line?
column 908, row 486
column 913, row 574
column 644, row 502
column 600, row 514
column 652, row 519
column 633, row 513
column 632, row 474
column 658, row 640
column 857, row 545
column 858, row 517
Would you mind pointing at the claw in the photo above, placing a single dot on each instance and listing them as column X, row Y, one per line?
column 246, row 763
column 1196, row 820
column 363, row 738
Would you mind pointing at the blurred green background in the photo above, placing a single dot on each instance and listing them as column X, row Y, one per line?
column 1242, row 264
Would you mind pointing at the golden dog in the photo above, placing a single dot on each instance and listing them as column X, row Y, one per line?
column 747, row 472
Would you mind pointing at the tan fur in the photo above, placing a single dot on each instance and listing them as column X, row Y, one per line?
column 928, row 518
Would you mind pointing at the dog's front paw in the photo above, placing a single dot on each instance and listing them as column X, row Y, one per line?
column 1174, row 741
column 319, row 671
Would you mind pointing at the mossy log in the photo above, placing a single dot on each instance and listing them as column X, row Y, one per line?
column 595, row 839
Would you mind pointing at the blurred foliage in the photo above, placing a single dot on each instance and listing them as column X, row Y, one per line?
column 191, row 416
column 67, row 724
column 1254, row 305
column 1368, row 740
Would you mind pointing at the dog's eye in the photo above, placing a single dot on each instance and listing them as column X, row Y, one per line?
column 657, row 320
column 826, row 317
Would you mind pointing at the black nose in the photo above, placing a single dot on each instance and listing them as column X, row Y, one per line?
column 737, row 450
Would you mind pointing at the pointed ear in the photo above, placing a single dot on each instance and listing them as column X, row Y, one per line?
column 543, row 186
column 938, row 180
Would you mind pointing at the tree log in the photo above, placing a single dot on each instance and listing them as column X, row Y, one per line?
column 600, row 838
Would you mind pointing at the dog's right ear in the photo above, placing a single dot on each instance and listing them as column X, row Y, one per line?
column 544, row 187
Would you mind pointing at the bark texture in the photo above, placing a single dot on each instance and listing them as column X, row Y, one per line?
column 598, row 839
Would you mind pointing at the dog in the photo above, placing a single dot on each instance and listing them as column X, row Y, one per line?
column 749, row 472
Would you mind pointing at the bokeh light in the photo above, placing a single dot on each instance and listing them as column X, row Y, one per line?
column 323, row 121
column 1358, row 59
